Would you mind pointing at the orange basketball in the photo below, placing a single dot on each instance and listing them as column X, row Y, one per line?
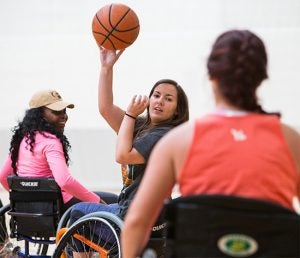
column 115, row 26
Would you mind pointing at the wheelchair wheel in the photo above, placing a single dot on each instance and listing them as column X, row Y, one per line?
column 13, row 245
column 94, row 235
column 64, row 220
column 6, row 243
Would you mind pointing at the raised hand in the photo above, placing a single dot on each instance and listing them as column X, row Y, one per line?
column 137, row 105
column 109, row 57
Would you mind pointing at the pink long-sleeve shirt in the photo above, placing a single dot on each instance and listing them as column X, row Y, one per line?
column 47, row 160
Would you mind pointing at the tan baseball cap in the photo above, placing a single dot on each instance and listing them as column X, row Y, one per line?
column 50, row 99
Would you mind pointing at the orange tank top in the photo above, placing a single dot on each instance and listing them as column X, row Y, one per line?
column 240, row 155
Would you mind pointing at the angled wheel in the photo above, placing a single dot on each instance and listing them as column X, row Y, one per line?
column 95, row 235
column 11, row 242
column 6, row 243
column 64, row 220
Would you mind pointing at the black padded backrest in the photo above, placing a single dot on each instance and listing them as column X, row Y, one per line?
column 227, row 226
column 36, row 206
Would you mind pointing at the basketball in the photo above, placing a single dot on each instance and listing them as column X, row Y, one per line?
column 115, row 26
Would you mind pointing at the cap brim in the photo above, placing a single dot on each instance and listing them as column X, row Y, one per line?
column 60, row 105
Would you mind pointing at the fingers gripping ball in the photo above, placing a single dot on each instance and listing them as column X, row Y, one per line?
column 115, row 26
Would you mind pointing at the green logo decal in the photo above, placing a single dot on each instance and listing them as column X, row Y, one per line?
column 237, row 245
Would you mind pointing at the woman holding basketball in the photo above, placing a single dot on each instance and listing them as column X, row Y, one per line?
column 220, row 152
column 166, row 107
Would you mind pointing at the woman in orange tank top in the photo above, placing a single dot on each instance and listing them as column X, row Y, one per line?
column 238, row 149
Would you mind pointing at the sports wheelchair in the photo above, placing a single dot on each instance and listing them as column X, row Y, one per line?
column 203, row 226
column 98, row 235
column 225, row 226
column 32, row 216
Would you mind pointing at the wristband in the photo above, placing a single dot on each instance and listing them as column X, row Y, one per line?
column 130, row 116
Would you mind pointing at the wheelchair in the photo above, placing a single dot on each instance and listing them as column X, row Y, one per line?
column 98, row 235
column 32, row 216
column 225, row 226
column 203, row 226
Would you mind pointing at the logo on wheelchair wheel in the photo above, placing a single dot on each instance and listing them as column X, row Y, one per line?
column 237, row 245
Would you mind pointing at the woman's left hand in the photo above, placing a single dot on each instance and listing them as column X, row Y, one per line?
column 137, row 105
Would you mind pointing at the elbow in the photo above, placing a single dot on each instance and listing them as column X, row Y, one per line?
column 64, row 184
column 123, row 156
column 120, row 158
column 4, row 183
column 104, row 110
column 105, row 113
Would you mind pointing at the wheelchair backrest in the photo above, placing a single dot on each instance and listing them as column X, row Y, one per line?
column 227, row 226
column 36, row 206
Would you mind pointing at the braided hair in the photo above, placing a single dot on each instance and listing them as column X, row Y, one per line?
column 238, row 62
column 33, row 122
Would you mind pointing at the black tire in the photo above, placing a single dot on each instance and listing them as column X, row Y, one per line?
column 102, row 228
column 5, row 241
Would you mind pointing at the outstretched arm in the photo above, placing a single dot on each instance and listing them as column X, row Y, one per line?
column 108, row 110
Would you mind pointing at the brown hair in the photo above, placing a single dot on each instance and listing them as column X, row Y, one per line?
column 238, row 62
column 181, row 114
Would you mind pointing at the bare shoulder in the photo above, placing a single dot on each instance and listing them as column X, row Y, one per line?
column 292, row 138
column 290, row 132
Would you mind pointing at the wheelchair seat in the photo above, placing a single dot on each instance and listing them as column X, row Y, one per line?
column 228, row 226
column 36, row 207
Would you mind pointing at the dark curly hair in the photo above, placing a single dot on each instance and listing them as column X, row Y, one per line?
column 33, row 122
column 238, row 62
column 182, row 110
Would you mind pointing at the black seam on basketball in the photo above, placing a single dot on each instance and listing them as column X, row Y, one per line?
column 109, row 32
column 126, row 42
column 101, row 23
column 114, row 27
column 112, row 43
column 134, row 28
column 99, row 33
column 106, row 36
column 100, row 44
column 120, row 20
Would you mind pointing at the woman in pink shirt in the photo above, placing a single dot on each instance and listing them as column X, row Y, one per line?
column 39, row 148
column 238, row 149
